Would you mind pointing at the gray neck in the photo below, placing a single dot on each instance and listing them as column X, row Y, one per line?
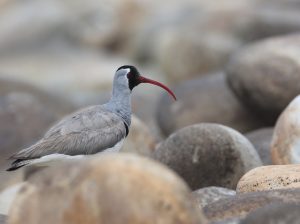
column 120, row 104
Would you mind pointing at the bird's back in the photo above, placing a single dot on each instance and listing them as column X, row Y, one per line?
column 87, row 131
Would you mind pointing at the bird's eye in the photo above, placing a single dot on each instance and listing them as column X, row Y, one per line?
column 129, row 75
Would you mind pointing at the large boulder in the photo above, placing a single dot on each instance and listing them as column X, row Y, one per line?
column 115, row 188
column 265, row 75
column 206, row 99
column 208, row 155
column 285, row 146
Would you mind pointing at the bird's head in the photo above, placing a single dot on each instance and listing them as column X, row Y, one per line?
column 130, row 76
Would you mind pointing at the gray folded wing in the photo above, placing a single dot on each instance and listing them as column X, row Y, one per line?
column 87, row 131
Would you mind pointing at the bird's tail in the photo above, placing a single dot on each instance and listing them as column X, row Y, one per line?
column 17, row 164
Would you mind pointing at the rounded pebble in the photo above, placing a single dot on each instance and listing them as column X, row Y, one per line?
column 208, row 155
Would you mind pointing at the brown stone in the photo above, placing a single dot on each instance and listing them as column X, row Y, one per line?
column 270, row 177
column 115, row 188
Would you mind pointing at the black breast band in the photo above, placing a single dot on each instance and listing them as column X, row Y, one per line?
column 127, row 129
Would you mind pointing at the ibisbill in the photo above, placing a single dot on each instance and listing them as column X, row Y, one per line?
column 92, row 130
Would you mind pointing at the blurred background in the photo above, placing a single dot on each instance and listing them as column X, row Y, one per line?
column 60, row 55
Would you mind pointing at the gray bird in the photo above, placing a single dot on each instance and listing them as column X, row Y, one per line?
column 96, row 129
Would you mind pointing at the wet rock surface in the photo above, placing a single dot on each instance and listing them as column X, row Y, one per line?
column 285, row 146
column 191, row 150
column 206, row 99
column 87, row 185
column 261, row 140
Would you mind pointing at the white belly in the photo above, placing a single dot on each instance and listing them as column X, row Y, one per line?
column 115, row 148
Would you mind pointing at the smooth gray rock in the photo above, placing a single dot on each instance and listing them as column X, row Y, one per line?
column 208, row 155
column 265, row 75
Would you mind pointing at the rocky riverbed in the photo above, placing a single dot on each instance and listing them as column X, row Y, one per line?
column 226, row 152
